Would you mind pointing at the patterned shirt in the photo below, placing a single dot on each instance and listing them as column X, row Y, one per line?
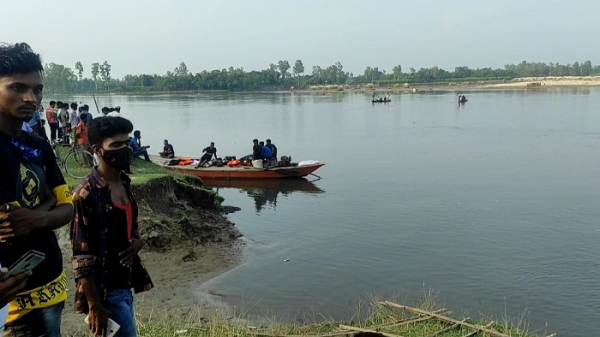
column 93, row 205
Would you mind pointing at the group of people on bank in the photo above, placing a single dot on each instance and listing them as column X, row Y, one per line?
column 35, row 200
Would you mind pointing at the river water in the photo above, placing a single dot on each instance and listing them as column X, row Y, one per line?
column 493, row 205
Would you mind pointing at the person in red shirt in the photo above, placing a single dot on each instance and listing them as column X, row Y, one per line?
column 52, row 120
column 81, row 135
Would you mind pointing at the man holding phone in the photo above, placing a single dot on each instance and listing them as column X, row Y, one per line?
column 104, row 233
column 34, row 200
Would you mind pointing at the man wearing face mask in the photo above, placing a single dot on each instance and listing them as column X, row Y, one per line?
column 104, row 234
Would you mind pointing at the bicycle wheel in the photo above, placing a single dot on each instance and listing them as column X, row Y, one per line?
column 78, row 163
column 57, row 155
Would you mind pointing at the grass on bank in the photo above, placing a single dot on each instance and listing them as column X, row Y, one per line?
column 144, row 172
column 373, row 316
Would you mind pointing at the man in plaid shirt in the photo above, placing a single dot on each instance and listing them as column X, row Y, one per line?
column 104, row 233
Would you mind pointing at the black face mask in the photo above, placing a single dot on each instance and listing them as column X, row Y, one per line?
column 119, row 159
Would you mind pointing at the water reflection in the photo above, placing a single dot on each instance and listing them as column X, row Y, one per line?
column 266, row 192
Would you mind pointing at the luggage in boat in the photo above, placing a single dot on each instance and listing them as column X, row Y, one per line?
column 257, row 163
column 219, row 163
column 173, row 162
column 234, row 163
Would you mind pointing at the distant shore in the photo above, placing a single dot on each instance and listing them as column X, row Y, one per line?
column 517, row 83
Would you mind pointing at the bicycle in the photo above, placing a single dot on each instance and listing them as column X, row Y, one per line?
column 77, row 163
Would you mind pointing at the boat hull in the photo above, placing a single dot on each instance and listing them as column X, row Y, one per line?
column 242, row 172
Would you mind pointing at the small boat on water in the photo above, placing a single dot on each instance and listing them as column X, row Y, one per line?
column 381, row 100
column 294, row 170
column 462, row 99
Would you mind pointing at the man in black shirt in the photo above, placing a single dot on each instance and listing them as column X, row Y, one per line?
column 34, row 198
column 273, row 148
column 209, row 153
column 256, row 150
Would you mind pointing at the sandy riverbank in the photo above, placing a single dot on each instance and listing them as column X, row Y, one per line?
column 551, row 81
column 187, row 240
column 517, row 83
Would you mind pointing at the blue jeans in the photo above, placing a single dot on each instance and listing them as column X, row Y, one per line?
column 120, row 303
column 142, row 152
column 40, row 322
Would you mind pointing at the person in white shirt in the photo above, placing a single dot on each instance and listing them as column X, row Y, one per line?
column 114, row 112
column 73, row 120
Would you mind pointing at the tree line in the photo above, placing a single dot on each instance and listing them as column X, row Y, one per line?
column 62, row 79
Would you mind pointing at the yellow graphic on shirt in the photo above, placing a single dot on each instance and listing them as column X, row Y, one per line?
column 31, row 187
column 45, row 296
column 63, row 195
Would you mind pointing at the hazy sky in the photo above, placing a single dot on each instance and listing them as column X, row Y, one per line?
column 137, row 36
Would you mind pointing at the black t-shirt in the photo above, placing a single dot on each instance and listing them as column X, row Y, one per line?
column 117, row 241
column 257, row 152
column 210, row 151
column 273, row 149
column 26, row 182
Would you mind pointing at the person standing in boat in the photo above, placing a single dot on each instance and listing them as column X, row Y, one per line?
column 256, row 150
column 266, row 152
column 273, row 148
column 209, row 153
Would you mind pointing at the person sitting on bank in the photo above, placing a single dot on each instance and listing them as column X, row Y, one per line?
column 256, row 150
column 136, row 146
column 272, row 147
column 168, row 151
column 209, row 152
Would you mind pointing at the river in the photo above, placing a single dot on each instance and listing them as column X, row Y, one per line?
column 492, row 205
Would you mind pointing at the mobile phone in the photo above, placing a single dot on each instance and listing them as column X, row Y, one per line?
column 111, row 328
column 26, row 262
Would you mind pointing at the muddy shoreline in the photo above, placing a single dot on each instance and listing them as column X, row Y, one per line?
column 188, row 240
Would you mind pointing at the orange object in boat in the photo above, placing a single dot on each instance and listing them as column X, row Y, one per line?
column 233, row 163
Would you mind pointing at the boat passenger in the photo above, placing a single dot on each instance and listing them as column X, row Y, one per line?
column 209, row 152
column 266, row 152
column 168, row 151
column 272, row 147
column 256, row 150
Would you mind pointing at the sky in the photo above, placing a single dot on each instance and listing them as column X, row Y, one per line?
column 153, row 37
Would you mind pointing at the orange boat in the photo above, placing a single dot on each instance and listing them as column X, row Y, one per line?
column 241, row 172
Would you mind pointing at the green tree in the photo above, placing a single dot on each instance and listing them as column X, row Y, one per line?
column 95, row 72
column 397, row 71
column 298, row 70
column 586, row 68
column 283, row 66
column 182, row 70
column 576, row 69
column 105, row 73
column 79, row 68
column 59, row 78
